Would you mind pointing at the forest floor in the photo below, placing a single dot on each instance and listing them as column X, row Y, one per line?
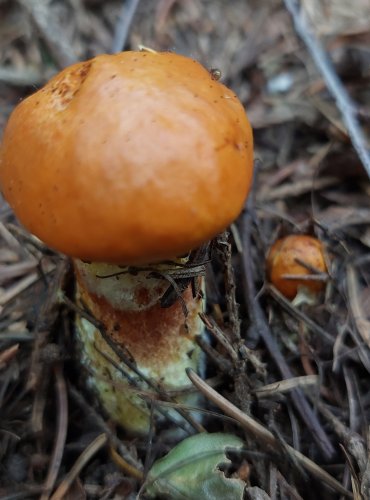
column 299, row 372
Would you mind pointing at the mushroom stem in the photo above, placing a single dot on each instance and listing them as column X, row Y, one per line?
column 160, row 342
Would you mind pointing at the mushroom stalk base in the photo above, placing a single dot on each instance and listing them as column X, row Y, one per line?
column 161, row 342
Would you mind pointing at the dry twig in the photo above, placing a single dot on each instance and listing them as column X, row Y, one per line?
column 62, row 426
column 123, row 25
column 7, row 355
column 80, row 463
column 354, row 443
column 263, row 435
column 59, row 46
column 333, row 82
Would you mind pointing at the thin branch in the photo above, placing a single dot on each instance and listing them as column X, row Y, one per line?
column 225, row 253
column 354, row 442
column 62, row 425
column 80, row 463
column 333, row 83
column 58, row 44
column 263, row 435
column 124, row 24
column 299, row 315
column 220, row 336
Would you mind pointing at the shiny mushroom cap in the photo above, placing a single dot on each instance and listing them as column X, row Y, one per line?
column 128, row 158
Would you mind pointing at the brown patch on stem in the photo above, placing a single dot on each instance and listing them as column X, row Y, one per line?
column 154, row 336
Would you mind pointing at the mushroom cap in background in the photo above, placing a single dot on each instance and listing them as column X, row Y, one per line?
column 128, row 158
column 287, row 257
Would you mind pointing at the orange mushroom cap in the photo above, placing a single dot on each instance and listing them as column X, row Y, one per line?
column 128, row 158
column 284, row 260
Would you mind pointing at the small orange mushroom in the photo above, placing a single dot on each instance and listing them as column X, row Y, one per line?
column 120, row 162
column 293, row 261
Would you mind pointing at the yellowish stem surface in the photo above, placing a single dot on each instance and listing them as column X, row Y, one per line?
column 159, row 341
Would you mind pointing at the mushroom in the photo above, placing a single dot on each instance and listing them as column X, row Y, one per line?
column 297, row 262
column 129, row 163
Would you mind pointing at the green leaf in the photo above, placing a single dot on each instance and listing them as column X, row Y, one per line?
column 190, row 471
